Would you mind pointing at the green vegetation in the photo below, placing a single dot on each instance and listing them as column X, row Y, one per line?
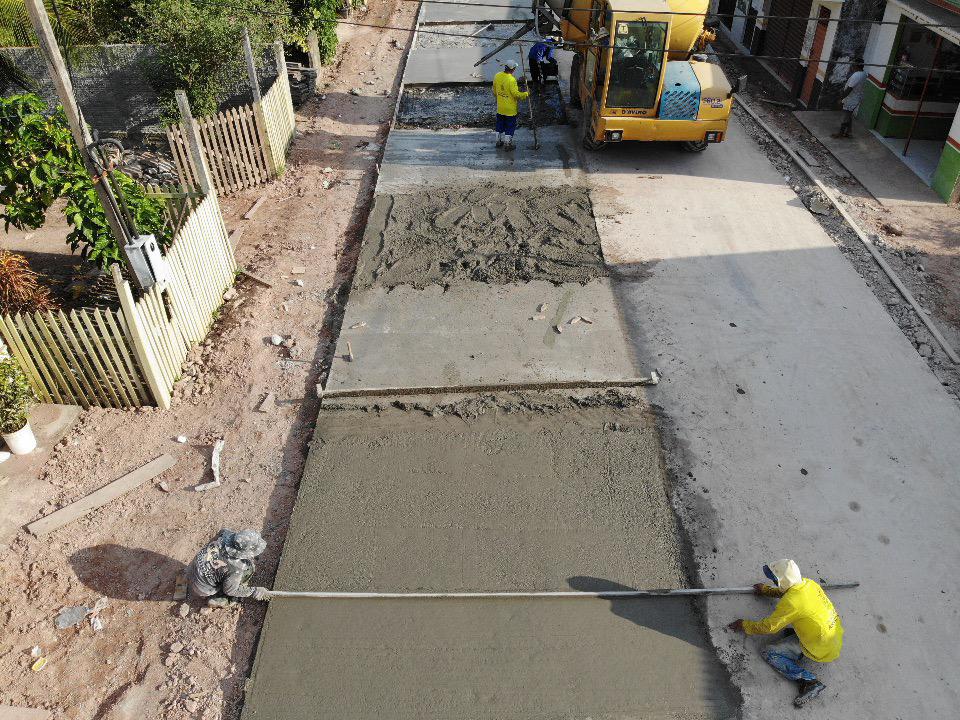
column 319, row 16
column 16, row 396
column 39, row 163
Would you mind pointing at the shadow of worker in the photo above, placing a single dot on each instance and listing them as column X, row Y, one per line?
column 124, row 573
column 673, row 616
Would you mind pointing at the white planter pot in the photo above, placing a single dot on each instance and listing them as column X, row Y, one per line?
column 21, row 442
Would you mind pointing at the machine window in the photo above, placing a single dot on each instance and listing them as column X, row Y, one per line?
column 637, row 60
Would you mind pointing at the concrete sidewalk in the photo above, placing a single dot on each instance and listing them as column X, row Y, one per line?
column 799, row 420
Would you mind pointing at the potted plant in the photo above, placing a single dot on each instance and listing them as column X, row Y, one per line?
column 16, row 398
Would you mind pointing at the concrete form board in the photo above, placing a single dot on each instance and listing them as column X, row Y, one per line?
column 439, row 66
column 818, row 431
column 414, row 159
column 479, row 334
column 467, row 12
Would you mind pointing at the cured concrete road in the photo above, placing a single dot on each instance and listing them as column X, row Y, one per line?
column 809, row 424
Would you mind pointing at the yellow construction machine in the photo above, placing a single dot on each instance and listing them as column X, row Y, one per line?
column 636, row 72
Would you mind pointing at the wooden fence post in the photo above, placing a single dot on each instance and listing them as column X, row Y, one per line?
column 313, row 51
column 142, row 345
column 196, row 145
column 251, row 67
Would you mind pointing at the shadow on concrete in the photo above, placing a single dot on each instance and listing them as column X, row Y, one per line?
column 124, row 573
column 668, row 616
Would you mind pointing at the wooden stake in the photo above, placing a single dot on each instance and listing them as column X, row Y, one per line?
column 251, row 66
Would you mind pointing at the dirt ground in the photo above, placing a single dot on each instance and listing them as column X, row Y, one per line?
column 923, row 249
column 487, row 233
column 148, row 660
column 537, row 492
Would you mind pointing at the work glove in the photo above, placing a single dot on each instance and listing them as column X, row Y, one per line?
column 260, row 593
column 758, row 588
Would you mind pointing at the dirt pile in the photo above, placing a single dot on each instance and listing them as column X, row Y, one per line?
column 487, row 233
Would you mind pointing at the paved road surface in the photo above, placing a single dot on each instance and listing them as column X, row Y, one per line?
column 810, row 424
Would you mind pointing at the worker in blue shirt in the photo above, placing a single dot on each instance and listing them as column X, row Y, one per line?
column 542, row 62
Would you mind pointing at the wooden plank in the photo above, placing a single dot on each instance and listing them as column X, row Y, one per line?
column 183, row 302
column 220, row 141
column 239, row 150
column 144, row 352
column 250, row 150
column 19, row 352
column 119, row 369
column 124, row 342
column 256, row 144
column 101, row 375
column 259, row 114
column 53, row 367
column 66, row 369
column 253, row 208
column 181, row 156
column 99, row 498
column 99, row 396
column 37, row 358
column 159, row 338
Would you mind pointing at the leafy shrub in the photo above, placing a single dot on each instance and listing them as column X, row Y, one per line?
column 319, row 16
column 20, row 287
column 39, row 163
column 199, row 46
column 16, row 396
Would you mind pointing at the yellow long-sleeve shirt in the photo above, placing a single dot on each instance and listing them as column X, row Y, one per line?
column 807, row 608
column 507, row 92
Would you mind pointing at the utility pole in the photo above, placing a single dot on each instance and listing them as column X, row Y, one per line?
column 81, row 135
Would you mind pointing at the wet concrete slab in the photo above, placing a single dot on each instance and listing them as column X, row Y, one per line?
column 473, row 11
column 477, row 334
column 509, row 500
column 436, row 66
column 415, row 159
column 440, row 107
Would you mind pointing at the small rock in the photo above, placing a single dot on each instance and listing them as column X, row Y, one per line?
column 558, row 329
column 276, row 340
column 892, row 228
column 176, row 647
column 354, row 91
column 358, row 325
column 298, row 270
column 184, row 610
column 169, row 660
column 181, row 439
column 96, row 623
column 289, row 342
column 539, row 317
column 924, row 350
column 36, row 651
column 230, row 294
column 542, row 307
column 819, row 207
column 71, row 616
column 919, row 268
column 298, row 283
column 574, row 320
column 588, row 321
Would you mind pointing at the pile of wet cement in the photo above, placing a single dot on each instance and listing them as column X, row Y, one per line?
column 439, row 107
column 488, row 233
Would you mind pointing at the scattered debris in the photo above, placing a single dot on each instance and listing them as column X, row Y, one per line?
column 214, row 466
column 558, row 329
column 354, row 91
column 96, row 623
column 924, row 350
column 574, row 320
column 39, row 665
column 101, row 497
column 818, row 207
column 235, row 236
column 230, row 294
column 892, row 228
column 276, row 340
column 163, row 486
column 349, row 356
column 180, row 588
column 588, row 321
column 181, row 439
column 71, row 616
column 269, row 400
column 184, row 610
column 36, row 651
column 298, row 283
column 808, row 157
column 256, row 278
column 538, row 317
column 358, row 325
column 253, row 208
column 298, row 270
column 542, row 307
column 176, row 647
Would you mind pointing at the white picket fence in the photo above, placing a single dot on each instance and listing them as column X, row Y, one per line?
column 130, row 356
column 244, row 146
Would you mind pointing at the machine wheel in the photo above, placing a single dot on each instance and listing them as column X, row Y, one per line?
column 576, row 69
column 694, row 146
column 588, row 142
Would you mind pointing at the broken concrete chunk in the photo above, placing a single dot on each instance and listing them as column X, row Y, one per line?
column 924, row 350
column 818, row 207
column 184, row 610
column 230, row 294
column 354, row 91
column 276, row 340
column 163, row 486
column 96, row 624
column 298, row 283
column 298, row 270
column 558, row 329
column 574, row 320
column 176, row 647
column 181, row 439
column 71, row 616
column 268, row 402
column 542, row 307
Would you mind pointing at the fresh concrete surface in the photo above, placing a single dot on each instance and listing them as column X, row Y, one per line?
column 476, row 11
column 416, row 159
column 870, row 161
column 520, row 500
column 438, row 66
column 478, row 334
column 810, row 426
column 22, row 492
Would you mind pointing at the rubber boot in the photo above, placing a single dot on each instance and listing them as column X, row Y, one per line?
column 510, row 145
column 808, row 690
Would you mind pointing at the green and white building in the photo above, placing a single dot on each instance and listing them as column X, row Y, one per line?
column 912, row 105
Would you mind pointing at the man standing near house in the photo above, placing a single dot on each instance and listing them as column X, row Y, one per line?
column 813, row 627
column 852, row 95
column 507, row 93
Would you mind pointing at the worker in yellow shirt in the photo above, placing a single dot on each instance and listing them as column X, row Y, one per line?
column 507, row 93
column 816, row 629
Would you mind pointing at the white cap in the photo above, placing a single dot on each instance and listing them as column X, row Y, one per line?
column 510, row 64
column 786, row 572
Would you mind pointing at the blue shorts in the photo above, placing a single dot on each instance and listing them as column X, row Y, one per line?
column 506, row 124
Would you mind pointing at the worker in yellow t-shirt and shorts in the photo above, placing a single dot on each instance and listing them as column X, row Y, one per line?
column 507, row 93
column 816, row 632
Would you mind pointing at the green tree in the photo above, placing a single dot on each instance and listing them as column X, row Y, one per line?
column 39, row 163
column 319, row 16
column 199, row 45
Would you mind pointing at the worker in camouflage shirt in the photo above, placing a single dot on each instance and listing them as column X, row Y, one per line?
column 221, row 569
